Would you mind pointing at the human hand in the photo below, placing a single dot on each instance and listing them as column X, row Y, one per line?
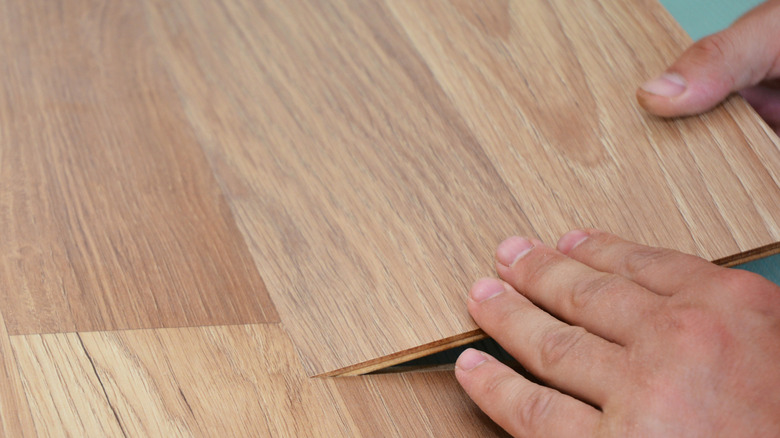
column 638, row 341
column 744, row 58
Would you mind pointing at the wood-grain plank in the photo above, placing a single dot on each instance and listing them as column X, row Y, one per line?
column 366, row 202
column 111, row 215
column 551, row 100
column 375, row 153
column 219, row 381
column 424, row 403
column 64, row 392
column 15, row 418
column 234, row 381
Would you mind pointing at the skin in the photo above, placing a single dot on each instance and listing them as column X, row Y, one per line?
column 744, row 58
column 633, row 340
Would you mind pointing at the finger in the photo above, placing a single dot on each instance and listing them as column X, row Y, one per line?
column 521, row 407
column 568, row 357
column 605, row 304
column 741, row 56
column 765, row 99
column 660, row 270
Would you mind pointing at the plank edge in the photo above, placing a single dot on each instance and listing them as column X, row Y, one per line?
column 476, row 335
column 749, row 256
column 407, row 355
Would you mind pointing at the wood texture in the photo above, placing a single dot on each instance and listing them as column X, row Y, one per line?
column 65, row 395
column 111, row 215
column 548, row 87
column 157, row 158
column 363, row 197
column 225, row 381
column 15, row 418
column 374, row 154
column 413, row 404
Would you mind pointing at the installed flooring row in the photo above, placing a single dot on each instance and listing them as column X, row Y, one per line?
column 212, row 381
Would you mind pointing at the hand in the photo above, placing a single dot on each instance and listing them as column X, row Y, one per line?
column 745, row 58
column 637, row 341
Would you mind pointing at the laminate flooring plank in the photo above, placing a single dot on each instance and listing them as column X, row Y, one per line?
column 15, row 417
column 65, row 394
column 111, row 215
column 240, row 381
column 548, row 90
column 432, row 402
column 367, row 204
column 219, row 381
column 375, row 153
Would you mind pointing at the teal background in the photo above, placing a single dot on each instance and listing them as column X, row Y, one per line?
column 700, row 18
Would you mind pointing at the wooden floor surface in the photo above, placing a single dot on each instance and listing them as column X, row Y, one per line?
column 205, row 203
column 223, row 381
column 112, row 218
column 373, row 171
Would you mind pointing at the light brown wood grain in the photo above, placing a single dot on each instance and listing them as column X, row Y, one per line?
column 111, row 215
column 232, row 381
column 219, row 381
column 422, row 403
column 375, row 153
column 365, row 158
column 65, row 395
column 551, row 101
column 15, row 418
column 366, row 202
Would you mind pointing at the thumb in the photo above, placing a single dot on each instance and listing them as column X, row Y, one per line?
column 743, row 55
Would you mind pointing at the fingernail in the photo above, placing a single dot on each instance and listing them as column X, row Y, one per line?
column 512, row 250
column 666, row 85
column 486, row 288
column 469, row 359
column 571, row 240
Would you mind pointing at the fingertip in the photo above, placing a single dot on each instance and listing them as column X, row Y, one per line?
column 666, row 85
column 470, row 359
column 512, row 249
column 519, row 406
column 571, row 240
column 486, row 288
column 659, row 96
column 707, row 73
column 685, row 103
column 654, row 104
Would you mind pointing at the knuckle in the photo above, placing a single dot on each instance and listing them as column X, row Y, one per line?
column 737, row 280
column 534, row 409
column 584, row 292
column 557, row 343
column 674, row 320
column 505, row 317
column 495, row 387
column 747, row 288
column 713, row 48
column 692, row 329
